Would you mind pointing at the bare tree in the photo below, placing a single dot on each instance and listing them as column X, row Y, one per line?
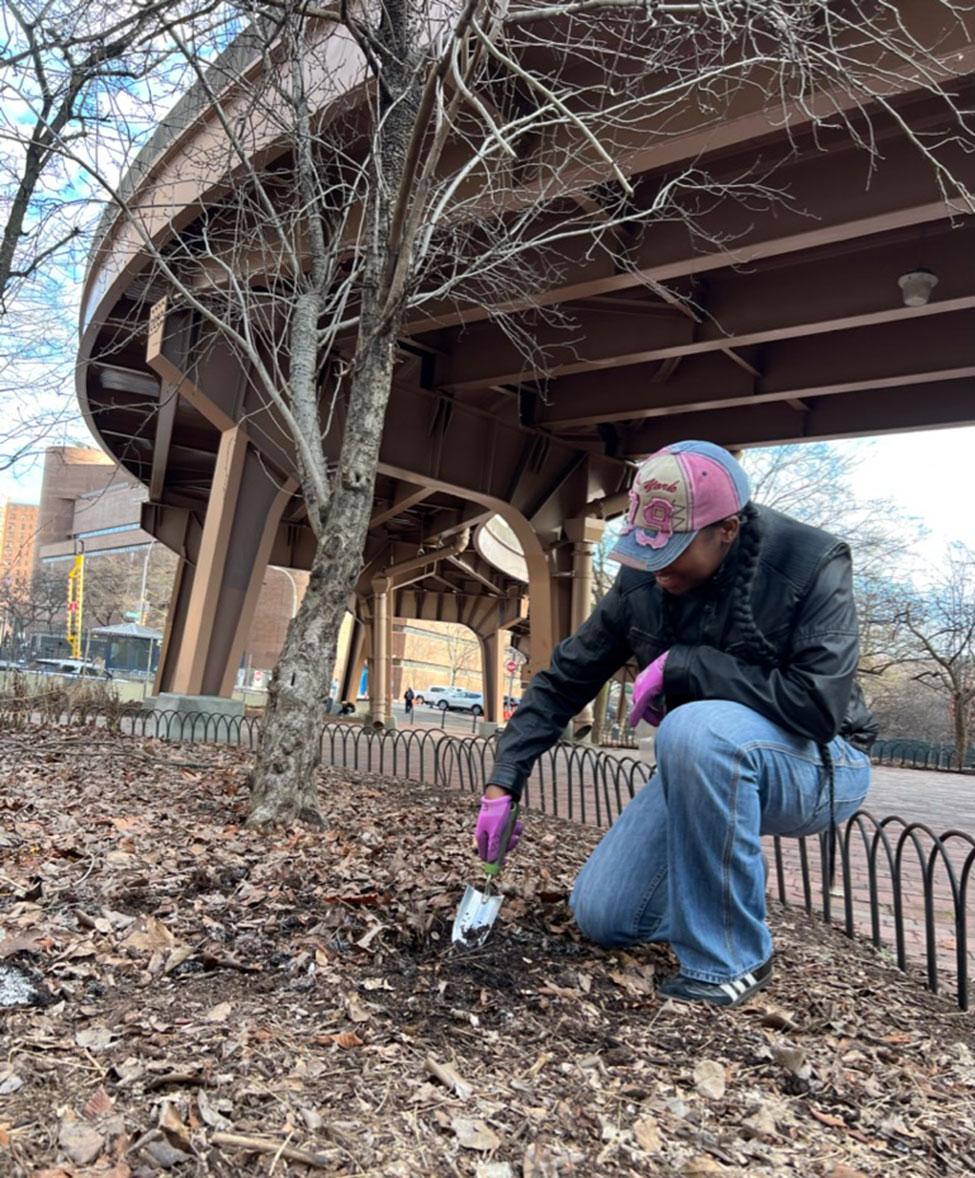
column 463, row 653
column 481, row 137
column 114, row 584
column 940, row 623
column 77, row 77
column 813, row 482
column 64, row 70
column 37, row 606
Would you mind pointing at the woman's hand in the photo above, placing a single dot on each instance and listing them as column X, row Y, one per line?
column 648, row 693
column 491, row 822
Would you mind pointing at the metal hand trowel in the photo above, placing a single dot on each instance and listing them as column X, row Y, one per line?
column 478, row 910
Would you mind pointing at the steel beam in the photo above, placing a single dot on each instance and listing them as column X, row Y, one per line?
column 812, row 295
column 839, row 196
column 407, row 495
column 917, row 351
column 874, row 411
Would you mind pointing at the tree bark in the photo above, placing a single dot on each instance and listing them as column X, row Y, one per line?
column 960, row 708
column 284, row 784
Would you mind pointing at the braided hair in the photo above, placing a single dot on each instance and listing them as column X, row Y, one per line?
column 756, row 644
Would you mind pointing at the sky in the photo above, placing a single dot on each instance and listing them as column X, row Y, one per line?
column 929, row 474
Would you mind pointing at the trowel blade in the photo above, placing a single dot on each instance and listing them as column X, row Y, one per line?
column 475, row 916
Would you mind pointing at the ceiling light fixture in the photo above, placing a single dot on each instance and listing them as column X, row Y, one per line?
column 916, row 287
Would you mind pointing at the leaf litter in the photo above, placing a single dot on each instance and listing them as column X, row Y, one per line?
column 188, row 997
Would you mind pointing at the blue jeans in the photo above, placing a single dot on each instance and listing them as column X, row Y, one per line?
column 683, row 863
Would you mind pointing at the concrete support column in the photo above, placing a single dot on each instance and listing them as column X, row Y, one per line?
column 584, row 535
column 378, row 663
column 493, row 647
column 354, row 659
column 175, row 624
column 388, row 704
column 213, row 603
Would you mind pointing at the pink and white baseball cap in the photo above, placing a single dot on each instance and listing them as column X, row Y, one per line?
column 677, row 491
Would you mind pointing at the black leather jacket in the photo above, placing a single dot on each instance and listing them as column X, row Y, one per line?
column 802, row 601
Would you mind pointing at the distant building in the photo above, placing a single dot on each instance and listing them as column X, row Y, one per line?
column 18, row 534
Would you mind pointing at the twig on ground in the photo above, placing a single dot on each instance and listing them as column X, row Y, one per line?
column 262, row 1145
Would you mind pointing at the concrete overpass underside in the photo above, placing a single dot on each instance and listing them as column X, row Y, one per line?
column 769, row 325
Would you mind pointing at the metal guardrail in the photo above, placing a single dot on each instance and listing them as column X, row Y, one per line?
column 920, row 754
column 899, row 883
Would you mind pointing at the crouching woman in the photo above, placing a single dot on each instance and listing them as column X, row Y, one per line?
column 744, row 623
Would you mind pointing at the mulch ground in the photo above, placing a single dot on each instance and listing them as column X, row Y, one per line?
column 179, row 994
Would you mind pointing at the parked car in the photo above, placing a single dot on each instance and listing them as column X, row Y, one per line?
column 458, row 699
column 430, row 696
column 70, row 667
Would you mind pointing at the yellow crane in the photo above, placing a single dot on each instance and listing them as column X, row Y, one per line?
column 76, row 601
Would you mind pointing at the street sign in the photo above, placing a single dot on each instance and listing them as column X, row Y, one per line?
column 511, row 666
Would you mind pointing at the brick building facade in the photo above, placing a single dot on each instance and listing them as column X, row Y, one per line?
column 18, row 537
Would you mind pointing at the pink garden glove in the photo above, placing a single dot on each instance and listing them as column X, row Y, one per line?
column 648, row 693
column 491, row 821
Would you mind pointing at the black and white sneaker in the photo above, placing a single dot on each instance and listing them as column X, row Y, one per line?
column 731, row 993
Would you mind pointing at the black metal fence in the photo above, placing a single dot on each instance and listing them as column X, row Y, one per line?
column 898, row 883
column 921, row 754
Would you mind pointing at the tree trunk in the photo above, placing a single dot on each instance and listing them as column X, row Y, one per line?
column 284, row 785
column 960, row 709
column 284, row 781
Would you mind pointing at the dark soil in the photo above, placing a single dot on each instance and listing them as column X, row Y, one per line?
column 212, row 1000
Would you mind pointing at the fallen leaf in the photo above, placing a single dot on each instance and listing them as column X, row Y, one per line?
column 355, row 1010
column 647, row 1134
column 827, row 1119
column 365, row 941
column 210, row 1115
column 172, row 1125
column 150, row 935
column 166, row 1155
column 219, row 1013
column 95, row 1038
column 25, row 943
column 781, row 1020
column 475, row 1135
column 99, row 1105
column 709, row 1079
column 761, row 1124
column 10, row 1082
column 80, row 1142
column 493, row 1170
column 347, row 1039
column 793, row 1059
column 701, row 1165
column 178, row 955
column 540, row 1162
column 448, row 1076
